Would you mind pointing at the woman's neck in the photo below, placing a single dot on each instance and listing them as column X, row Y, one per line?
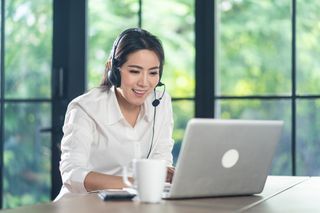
column 129, row 111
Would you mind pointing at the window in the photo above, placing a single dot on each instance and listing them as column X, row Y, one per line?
column 176, row 33
column 26, row 102
column 268, row 69
column 308, row 87
column 106, row 19
column 255, row 61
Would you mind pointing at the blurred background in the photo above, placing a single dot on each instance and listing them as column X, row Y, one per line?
column 231, row 59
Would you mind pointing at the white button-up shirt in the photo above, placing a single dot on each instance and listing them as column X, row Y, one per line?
column 98, row 138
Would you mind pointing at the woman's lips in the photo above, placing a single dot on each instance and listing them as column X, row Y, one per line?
column 139, row 93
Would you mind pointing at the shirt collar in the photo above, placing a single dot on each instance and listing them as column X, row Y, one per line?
column 113, row 109
column 114, row 112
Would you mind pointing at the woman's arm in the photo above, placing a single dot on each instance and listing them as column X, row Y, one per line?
column 75, row 148
column 170, row 173
column 95, row 181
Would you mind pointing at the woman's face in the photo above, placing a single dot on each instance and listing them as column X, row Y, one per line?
column 139, row 76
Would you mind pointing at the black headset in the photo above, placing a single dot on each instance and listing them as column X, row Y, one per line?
column 114, row 73
column 155, row 103
column 115, row 79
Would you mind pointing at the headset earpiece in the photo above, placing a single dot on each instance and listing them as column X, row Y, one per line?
column 114, row 73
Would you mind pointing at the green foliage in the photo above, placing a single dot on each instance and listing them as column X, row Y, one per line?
column 255, row 59
column 26, row 155
column 255, row 48
column 28, row 49
column 308, row 144
column 27, row 61
column 308, row 31
column 183, row 111
column 175, row 27
column 106, row 19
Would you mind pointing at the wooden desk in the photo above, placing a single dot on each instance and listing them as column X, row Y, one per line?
column 303, row 197
column 279, row 192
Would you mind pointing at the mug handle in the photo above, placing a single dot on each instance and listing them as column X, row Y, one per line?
column 125, row 178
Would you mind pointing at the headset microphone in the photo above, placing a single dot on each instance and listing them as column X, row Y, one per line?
column 156, row 101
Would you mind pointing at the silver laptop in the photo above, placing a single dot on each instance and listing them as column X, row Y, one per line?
column 224, row 158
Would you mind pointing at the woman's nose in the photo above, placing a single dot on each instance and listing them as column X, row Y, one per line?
column 143, row 80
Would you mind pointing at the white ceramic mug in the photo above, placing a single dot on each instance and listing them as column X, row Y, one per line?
column 149, row 179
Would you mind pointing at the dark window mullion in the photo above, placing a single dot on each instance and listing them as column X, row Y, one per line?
column 140, row 14
column 69, row 57
column 2, row 100
column 182, row 99
column 293, row 80
column 253, row 97
column 33, row 100
column 205, row 55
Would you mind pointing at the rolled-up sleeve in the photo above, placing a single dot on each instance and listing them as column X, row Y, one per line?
column 75, row 148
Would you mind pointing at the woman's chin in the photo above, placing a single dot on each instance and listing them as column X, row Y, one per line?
column 137, row 103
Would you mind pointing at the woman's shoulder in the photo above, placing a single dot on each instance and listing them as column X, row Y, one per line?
column 93, row 95
column 92, row 100
column 92, row 103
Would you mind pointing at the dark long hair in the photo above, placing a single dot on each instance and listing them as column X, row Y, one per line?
column 129, row 41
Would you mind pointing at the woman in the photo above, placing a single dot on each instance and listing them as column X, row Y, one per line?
column 123, row 119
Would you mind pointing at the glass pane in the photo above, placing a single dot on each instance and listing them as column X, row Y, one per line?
column 308, row 49
column 173, row 23
column 308, row 137
column 265, row 110
column 254, row 54
column 28, row 49
column 27, row 154
column 106, row 19
column 182, row 112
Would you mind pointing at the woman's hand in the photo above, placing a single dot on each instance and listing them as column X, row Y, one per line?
column 170, row 173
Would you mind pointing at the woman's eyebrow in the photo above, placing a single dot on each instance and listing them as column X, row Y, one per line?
column 139, row 67
column 135, row 66
column 154, row 68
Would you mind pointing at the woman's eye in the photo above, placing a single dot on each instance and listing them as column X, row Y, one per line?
column 134, row 71
column 154, row 72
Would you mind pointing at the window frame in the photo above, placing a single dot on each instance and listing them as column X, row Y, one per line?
column 69, row 55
